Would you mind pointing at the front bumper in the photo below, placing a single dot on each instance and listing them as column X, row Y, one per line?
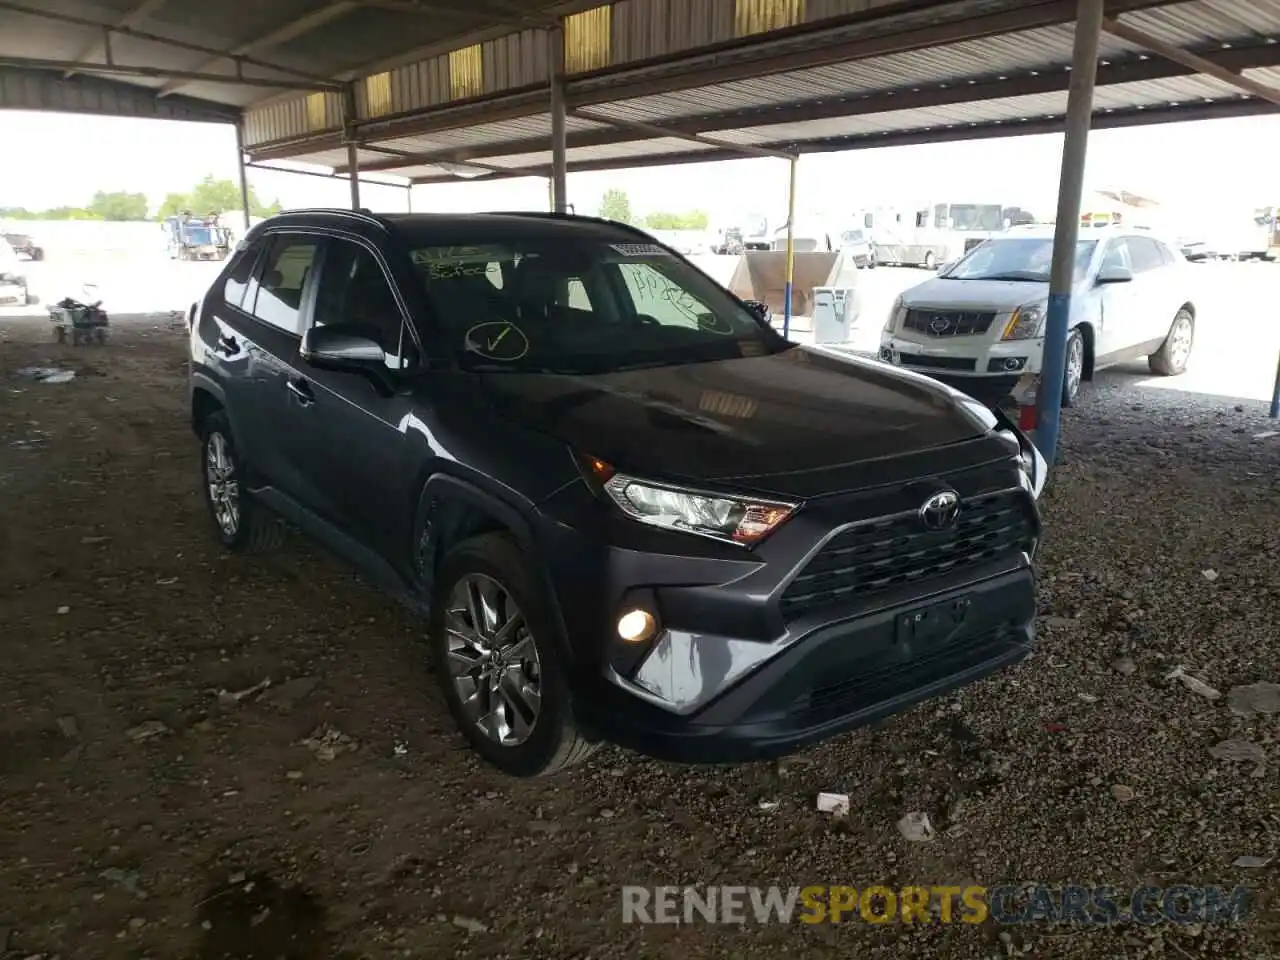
column 840, row 675
column 762, row 651
column 973, row 365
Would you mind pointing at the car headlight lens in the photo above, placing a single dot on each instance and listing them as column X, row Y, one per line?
column 1026, row 322
column 737, row 520
column 1033, row 464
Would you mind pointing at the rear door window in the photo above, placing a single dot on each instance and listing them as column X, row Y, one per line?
column 1144, row 254
column 282, row 280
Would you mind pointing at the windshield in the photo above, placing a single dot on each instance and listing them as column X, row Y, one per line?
column 559, row 305
column 976, row 216
column 199, row 235
column 1021, row 258
column 851, row 238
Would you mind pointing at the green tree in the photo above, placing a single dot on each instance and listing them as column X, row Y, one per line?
column 119, row 205
column 214, row 196
column 614, row 205
column 693, row 220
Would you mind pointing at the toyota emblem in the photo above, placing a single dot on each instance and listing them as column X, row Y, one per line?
column 940, row 511
column 940, row 324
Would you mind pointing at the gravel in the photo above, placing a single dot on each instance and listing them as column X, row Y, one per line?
column 354, row 848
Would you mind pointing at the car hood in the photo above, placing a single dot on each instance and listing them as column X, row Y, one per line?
column 796, row 423
column 1000, row 296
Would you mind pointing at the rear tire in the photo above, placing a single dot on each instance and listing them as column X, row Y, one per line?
column 930, row 261
column 252, row 529
column 1171, row 359
column 517, row 615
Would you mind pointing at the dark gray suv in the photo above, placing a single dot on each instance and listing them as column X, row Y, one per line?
column 630, row 510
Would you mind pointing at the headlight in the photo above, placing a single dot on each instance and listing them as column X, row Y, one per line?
column 1026, row 322
column 1033, row 464
column 895, row 312
column 737, row 520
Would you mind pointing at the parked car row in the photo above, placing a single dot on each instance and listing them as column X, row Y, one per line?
column 627, row 508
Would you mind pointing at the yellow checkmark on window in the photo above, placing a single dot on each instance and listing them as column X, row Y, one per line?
column 498, row 339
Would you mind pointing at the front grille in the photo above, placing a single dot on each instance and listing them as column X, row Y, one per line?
column 937, row 363
column 947, row 323
column 883, row 680
column 879, row 555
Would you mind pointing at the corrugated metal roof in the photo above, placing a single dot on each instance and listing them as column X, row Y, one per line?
column 1209, row 21
column 1023, row 52
column 1119, row 96
column 486, row 134
column 634, row 149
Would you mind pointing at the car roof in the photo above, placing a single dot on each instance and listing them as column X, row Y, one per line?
column 442, row 229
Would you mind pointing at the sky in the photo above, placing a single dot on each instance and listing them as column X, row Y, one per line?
column 1209, row 165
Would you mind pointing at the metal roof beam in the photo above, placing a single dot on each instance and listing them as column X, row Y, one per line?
column 1193, row 61
column 154, row 73
column 1045, row 80
column 140, row 11
column 282, row 34
column 1102, row 120
column 648, row 129
column 109, row 28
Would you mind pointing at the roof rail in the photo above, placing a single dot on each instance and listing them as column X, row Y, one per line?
column 364, row 213
column 555, row 215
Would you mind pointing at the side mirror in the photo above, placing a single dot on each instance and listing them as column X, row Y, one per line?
column 338, row 348
column 760, row 310
column 1114, row 274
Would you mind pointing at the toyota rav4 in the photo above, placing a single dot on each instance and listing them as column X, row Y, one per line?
column 628, row 509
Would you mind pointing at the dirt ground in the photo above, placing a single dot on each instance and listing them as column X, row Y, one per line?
column 147, row 811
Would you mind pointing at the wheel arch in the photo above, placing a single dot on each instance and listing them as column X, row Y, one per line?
column 206, row 398
column 451, row 510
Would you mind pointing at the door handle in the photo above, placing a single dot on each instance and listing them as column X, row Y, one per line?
column 301, row 391
column 228, row 344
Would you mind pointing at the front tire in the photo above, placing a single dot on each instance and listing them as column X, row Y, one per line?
column 492, row 643
column 1171, row 359
column 242, row 524
column 1073, row 369
column 930, row 261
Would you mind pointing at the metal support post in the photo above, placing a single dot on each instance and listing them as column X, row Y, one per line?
column 353, row 154
column 408, row 197
column 791, row 248
column 1275, row 394
column 1084, row 69
column 559, row 178
column 244, row 176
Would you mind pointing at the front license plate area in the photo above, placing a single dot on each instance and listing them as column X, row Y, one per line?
column 931, row 626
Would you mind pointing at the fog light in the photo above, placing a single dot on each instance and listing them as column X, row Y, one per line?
column 886, row 354
column 636, row 626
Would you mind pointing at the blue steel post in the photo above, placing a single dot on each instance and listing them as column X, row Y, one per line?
column 791, row 249
column 1275, row 394
column 1075, row 146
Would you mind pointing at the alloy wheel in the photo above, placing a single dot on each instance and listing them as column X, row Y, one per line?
column 224, row 486
column 1180, row 341
column 1075, row 365
column 493, row 661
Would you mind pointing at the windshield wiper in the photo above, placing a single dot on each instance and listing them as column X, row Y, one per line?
column 1025, row 275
